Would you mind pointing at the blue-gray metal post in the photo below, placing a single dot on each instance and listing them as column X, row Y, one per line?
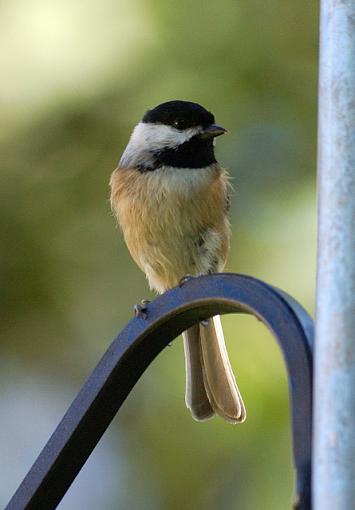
column 334, row 420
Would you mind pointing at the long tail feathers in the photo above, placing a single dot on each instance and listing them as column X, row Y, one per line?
column 210, row 382
column 196, row 396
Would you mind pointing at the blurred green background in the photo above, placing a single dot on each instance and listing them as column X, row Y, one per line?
column 76, row 77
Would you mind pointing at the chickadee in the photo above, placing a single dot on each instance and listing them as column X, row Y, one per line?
column 170, row 197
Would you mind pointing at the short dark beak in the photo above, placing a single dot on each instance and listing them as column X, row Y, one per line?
column 212, row 131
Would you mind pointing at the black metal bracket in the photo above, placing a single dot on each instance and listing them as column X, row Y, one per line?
column 135, row 348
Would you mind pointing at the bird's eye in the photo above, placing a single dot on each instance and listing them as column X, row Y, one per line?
column 179, row 124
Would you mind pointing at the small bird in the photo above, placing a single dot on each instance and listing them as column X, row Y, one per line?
column 170, row 197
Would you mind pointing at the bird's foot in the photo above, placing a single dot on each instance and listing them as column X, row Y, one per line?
column 141, row 309
column 185, row 279
column 188, row 277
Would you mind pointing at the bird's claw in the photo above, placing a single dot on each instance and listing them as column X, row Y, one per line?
column 185, row 279
column 188, row 277
column 141, row 309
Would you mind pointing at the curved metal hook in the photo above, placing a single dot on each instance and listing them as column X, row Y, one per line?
column 135, row 348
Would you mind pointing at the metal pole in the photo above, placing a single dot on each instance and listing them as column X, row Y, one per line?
column 334, row 420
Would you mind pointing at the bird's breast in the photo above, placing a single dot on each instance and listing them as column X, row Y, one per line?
column 173, row 220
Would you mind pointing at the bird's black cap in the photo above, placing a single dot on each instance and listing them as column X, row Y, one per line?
column 180, row 114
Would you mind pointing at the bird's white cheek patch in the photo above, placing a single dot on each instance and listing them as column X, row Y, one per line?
column 147, row 138
column 158, row 136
